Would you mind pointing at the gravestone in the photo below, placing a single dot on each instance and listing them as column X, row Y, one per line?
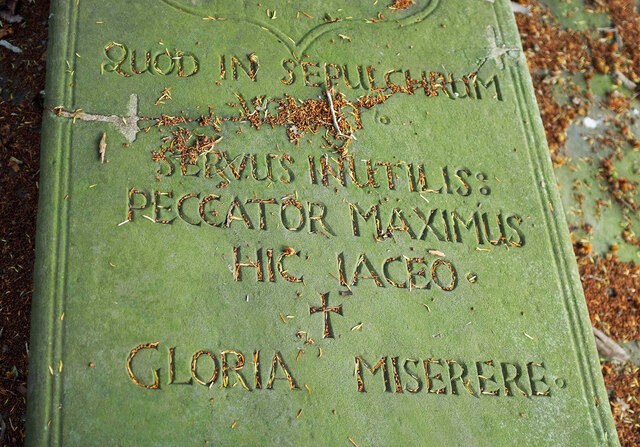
column 302, row 223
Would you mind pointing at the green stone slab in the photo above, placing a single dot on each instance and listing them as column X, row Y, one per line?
column 361, row 243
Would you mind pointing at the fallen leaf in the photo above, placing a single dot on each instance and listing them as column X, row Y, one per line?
column 103, row 147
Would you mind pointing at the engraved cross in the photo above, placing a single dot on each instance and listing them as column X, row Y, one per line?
column 326, row 310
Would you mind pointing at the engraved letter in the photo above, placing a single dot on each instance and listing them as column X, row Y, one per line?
column 194, row 368
column 277, row 359
column 382, row 364
column 238, row 366
column 156, row 379
column 258, row 264
column 132, row 193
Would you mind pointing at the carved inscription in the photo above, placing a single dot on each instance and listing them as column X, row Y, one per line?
column 206, row 367
column 326, row 311
column 391, row 374
column 127, row 61
column 370, row 78
column 379, row 220
column 414, row 223
column 453, row 377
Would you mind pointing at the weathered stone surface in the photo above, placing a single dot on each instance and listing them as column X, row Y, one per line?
column 303, row 224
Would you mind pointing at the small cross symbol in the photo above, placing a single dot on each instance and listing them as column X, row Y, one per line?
column 326, row 310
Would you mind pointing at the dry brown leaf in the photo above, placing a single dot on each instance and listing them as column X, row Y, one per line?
column 103, row 146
